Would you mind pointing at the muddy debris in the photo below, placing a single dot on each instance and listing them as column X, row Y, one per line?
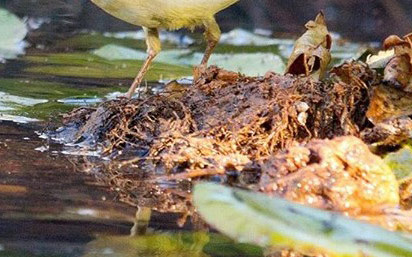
column 315, row 142
column 224, row 125
column 340, row 175
column 227, row 121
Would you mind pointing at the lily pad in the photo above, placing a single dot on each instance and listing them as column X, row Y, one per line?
column 40, row 100
column 252, row 64
column 276, row 223
column 240, row 37
column 94, row 40
column 13, row 31
column 380, row 60
column 401, row 163
column 87, row 65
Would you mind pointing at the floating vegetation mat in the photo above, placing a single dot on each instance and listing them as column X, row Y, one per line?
column 225, row 125
column 312, row 141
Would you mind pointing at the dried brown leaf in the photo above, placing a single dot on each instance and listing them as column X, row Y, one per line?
column 398, row 71
column 311, row 54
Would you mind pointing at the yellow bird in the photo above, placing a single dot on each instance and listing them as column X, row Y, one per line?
column 167, row 14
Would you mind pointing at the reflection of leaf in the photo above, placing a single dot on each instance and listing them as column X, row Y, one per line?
column 272, row 222
column 181, row 244
column 149, row 246
column 311, row 54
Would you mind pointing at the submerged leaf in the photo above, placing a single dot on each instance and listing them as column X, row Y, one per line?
column 277, row 223
column 311, row 54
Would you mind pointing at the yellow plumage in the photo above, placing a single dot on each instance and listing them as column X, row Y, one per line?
column 167, row 14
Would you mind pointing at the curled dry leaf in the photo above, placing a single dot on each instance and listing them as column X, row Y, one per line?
column 392, row 98
column 398, row 71
column 311, row 54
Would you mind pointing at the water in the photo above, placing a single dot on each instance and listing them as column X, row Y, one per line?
column 48, row 208
column 51, row 203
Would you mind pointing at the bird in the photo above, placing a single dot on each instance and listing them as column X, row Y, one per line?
column 153, row 15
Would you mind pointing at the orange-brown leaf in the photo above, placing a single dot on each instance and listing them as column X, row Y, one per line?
column 311, row 54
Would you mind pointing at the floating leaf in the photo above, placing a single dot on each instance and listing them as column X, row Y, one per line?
column 401, row 163
column 243, row 37
column 13, row 31
column 252, row 64
column 276, row 223
column 380, row 60
column 311, row 54
column 86, row 65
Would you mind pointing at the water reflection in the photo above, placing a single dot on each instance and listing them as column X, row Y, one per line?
column 183, row 244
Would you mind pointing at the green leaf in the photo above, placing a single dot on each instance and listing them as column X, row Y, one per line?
column 401, row 163
column 252, row 64
column 13, row 31
column 276, row 223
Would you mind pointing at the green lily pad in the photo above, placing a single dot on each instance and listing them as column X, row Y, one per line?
column 84, row 42
column 89, row 41
column 39, row 99
column 276, row 223
column 401, row 163
column 252, row 64
column 86, row 65
column 13, row 31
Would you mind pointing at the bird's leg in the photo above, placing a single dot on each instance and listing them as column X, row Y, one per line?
column 153, row 48
column 212, row 35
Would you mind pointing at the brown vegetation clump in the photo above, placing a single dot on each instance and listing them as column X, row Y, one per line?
column 227, row 121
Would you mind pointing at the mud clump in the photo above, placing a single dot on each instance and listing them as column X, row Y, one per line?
column 340, row 175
